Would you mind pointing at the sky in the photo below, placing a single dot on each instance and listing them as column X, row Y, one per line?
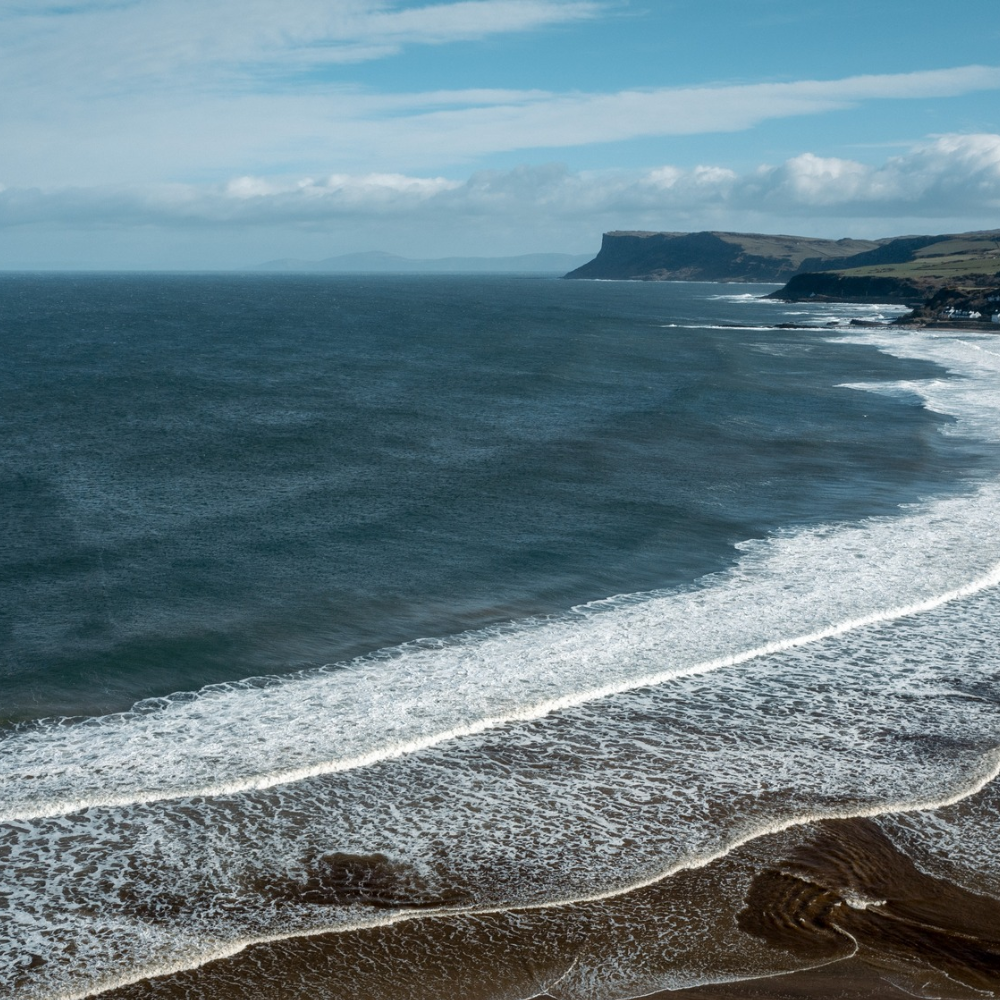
column 203, row 134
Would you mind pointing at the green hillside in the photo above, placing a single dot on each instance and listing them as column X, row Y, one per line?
column 970, row 257
column 930, row 273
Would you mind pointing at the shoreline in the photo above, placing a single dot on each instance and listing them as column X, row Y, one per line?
column 828, row 910
column 845, row 979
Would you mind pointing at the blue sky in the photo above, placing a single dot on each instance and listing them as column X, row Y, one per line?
column 220, row 133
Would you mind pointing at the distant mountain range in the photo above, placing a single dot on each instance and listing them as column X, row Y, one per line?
column 387, row 263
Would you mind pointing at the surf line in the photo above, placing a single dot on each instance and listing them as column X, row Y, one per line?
column 989, row 772
column 259, row 782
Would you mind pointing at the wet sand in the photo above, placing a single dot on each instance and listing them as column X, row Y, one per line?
column 849, row 979
column 831, row 909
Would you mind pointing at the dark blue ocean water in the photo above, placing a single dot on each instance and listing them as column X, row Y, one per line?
column 204, row 478
column 568, row 614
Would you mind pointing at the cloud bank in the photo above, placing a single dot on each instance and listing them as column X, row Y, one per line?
column 945, row 177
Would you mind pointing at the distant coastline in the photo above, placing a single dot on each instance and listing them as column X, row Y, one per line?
column 944, row 279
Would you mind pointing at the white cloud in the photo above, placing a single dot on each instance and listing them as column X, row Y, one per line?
column 948, row 176
column 365, row 189
column 473, row 19
column 564, row 120
column 165, row 137
column 178, row 44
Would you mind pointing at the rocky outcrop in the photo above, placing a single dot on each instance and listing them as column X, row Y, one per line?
column 834, row 287
column 954, row 306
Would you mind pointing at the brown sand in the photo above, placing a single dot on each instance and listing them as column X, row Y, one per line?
column 832, row 909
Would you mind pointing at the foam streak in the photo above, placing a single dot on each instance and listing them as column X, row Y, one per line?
column 62, row 807
column 990, row 773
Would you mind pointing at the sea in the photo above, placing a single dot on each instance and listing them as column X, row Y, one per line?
column 419, row 637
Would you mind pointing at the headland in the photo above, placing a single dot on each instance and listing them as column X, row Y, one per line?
column 945, row 279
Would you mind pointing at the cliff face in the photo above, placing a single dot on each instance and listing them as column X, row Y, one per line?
column 834, row 287
column 656, row 256
column 710, row 256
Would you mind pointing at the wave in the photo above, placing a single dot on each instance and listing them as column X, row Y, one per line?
column 717, row 326
column 561, row 760
column 791, row 589
column 784, row 903
column 405, row 909
column 788, row 591
column 725, row 772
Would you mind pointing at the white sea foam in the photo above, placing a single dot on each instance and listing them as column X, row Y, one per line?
column 788, row 590
column 743, row 298
column 709, row 326
column 581, row 806
column 957, row 843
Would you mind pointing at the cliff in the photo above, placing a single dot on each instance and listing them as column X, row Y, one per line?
column 712, row 256
column 834, row 286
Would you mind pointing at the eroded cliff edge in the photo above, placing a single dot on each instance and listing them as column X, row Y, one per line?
column 713, row 256
column 833, row 286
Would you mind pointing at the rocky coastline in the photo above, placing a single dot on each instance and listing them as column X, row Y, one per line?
column 946, row 280
column 831, row 286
